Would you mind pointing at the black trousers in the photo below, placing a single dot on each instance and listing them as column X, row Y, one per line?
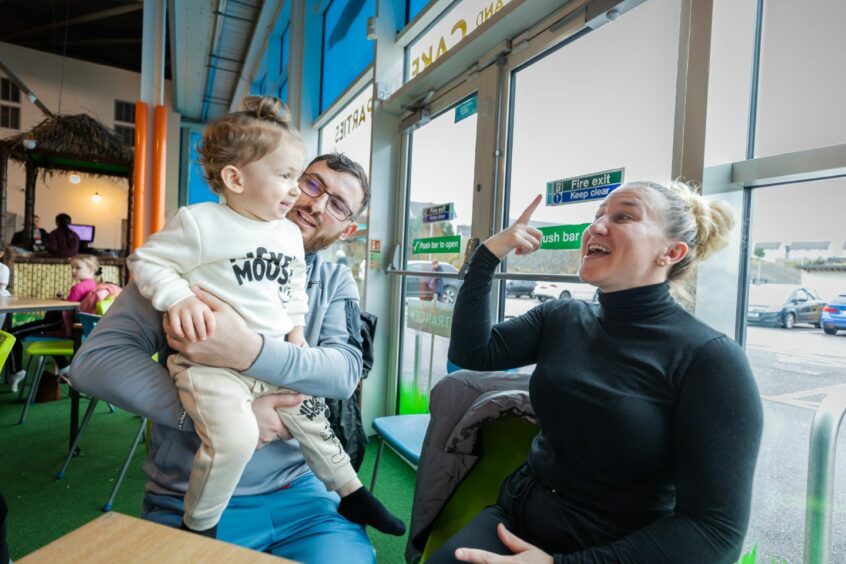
column 51, row 323
column 534, row 513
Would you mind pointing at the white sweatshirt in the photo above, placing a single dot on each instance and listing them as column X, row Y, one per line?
column 258, row 267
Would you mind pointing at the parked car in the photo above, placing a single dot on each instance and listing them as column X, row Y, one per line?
column 783, row 305
column 418, row 286
column 554, row 290
column 834, row 315
column 518, row 288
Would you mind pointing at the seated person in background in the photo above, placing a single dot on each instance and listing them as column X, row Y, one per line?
column 279, row 506
column 247, row 253
column 650, row 420
column 39, row 236
column 86, row 271
column 62, row 241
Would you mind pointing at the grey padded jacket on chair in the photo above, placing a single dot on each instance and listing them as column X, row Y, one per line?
column 460, row 403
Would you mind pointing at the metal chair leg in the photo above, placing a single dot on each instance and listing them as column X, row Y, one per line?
column 376, row 464
column 141, row 429
column 36, row 379
column 72, row 451
column 22, row 385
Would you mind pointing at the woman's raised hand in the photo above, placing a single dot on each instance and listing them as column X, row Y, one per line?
column 519, row 236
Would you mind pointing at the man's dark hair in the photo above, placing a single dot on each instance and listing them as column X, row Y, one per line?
column 63, row 220
column 341, row 163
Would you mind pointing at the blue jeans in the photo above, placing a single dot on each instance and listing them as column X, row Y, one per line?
column 300, row 522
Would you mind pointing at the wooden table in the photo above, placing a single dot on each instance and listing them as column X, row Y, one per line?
column 14, row 304
column 120, row 538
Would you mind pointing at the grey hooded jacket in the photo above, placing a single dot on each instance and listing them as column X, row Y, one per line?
column 114, row 364
column 460, row 403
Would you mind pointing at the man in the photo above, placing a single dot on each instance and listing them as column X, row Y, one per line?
column 279, row 506
column 39, row 236
column 436, row 285
column 63, row 242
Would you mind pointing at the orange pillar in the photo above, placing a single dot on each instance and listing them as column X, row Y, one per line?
column 159, row 161
column 139, row 195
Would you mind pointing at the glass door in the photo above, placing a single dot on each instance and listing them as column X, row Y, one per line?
column 438, row 217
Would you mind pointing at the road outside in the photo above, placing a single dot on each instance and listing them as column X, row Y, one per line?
column 794, row 370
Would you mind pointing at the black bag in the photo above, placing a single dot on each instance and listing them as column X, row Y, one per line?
column 345, row 415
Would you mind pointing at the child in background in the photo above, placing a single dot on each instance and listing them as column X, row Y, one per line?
column 86, row 272
column 248, row 254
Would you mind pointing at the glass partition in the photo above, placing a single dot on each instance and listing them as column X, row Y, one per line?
column 796, row 271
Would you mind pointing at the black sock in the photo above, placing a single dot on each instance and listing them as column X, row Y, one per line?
column 211, row 533
column 363, row 508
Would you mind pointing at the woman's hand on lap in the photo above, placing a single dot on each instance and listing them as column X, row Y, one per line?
column 519, row 236
column 523, row 552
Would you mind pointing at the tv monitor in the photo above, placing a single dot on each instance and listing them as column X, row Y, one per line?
column 85, row 232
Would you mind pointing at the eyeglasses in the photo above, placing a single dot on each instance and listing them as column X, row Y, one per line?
column 314, row 188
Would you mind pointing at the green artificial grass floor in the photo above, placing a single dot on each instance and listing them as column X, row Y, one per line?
column 42, row 508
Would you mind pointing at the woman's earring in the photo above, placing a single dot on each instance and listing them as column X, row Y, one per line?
column 661, row 262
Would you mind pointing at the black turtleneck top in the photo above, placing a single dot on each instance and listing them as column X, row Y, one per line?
column 650, row 420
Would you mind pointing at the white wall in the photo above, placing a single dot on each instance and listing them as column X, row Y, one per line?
column 88, row 88
column 828, row 283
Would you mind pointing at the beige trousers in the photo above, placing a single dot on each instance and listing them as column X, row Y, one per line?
column 219, row 403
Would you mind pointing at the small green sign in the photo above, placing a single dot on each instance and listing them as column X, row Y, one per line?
column 583, row 188
column 451, row 244
column 562, row 236
column 466, row 109
column 431, row 317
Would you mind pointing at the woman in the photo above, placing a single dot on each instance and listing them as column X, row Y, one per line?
column 86, row 272
column 650, row 420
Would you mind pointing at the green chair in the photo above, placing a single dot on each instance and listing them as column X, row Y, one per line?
column 7, row 341
column 505, row 444
column 40, row 351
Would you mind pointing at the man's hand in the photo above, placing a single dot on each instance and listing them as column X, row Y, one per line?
column 232, row 345
column 270, row 425
column 297, row 337
column 524, row 553
column 191, row 319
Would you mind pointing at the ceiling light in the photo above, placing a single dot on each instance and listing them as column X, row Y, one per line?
column 30, row 142
column 96, row 198
column 74, row 178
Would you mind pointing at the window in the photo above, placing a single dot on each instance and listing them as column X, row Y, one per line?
column 125, row 121
column 346, row 50
column 605, row 140
column 125, row 112
column 10, row 99
column 414, row 7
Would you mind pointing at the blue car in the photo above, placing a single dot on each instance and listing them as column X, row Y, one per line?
column 834, row 315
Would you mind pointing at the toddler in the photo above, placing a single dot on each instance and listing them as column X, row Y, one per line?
column 249, row 255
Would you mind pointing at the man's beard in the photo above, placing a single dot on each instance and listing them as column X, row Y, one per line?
column 317, row 242
column 313, row 242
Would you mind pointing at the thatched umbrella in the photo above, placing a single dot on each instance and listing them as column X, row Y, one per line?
column 76, row 143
